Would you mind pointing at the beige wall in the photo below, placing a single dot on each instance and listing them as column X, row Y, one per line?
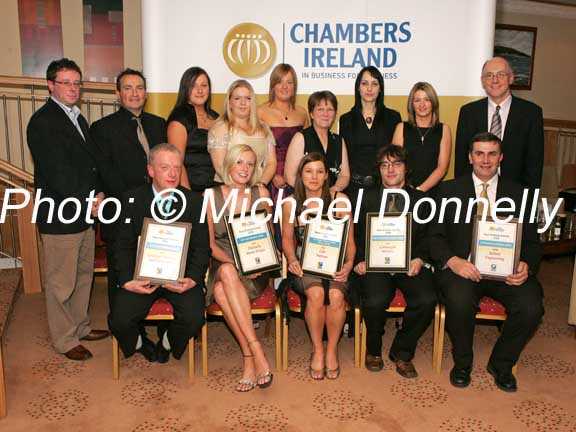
column 72, row 34
column 554, row 63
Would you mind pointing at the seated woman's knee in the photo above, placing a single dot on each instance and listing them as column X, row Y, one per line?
column 337, row 299
column 315, row 295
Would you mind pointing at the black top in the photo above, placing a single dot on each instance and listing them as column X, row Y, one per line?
column 333, row 153
column 196, row 158
column 422, row 153
column 363, row 143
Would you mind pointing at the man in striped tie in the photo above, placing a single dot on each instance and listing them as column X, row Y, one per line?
column 517, row 122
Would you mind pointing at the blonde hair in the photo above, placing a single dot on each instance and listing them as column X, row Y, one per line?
column 431, row 93
column 232, row 156
column 228, row 118
column 279, row 72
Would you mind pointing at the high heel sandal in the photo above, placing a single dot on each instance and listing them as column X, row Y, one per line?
column 267, row 376
column 246, row 385
column 315, row 374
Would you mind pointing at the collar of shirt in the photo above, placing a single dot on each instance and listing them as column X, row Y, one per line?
column 492, row 188
column 504, row 111
column 73, row 113
column 158, row 199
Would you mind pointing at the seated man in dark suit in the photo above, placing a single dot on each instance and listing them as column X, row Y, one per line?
column 460, row 281
column 134, row 299
column 516, row 122
column 378, row 289
column 125, row 139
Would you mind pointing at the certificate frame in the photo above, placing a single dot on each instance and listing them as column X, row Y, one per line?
column 478, row 253
column 144, row 256
column 372, row 218
column 265, row 261
column 340, row 236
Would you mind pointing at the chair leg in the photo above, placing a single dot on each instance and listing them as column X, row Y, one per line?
column 435, row 340
column 363, row 344
column 267, row 326
column 356, row 337
column 278, row 341
column 205, row 349
column 115, row 359
column 440, row 343
column 3, row 404
column 284, row 343
column 191, row 364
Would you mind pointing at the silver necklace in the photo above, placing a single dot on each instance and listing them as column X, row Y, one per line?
column 420, row 133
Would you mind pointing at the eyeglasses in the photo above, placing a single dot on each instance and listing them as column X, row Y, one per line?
column 395, row 164
column 70, row 84
column 490, row 75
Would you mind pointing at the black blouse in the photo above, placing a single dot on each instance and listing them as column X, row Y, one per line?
column 333, row 153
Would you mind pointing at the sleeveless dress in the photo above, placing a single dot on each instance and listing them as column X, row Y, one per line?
column 283, row 136
column 258, row 143
column 422, row 155
column 254, row 287
column 333, row 153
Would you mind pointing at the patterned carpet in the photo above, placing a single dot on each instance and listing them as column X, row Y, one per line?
column 46, row 392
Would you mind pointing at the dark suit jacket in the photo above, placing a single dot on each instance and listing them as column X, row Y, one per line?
column 523, row 143
column 371, row 203
column 450, row 239
column 126, row 244
column 65, row 165
column 123, row 164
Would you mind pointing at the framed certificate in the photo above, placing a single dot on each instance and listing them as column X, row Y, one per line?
column 162, row 251
column 252, row 244
column 388, row 242
column 496, row 247
column 324, row 247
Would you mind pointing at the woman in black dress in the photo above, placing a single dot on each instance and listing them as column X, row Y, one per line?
column 188, row 126
column 428, row 141
column 367, row 127
column 322, row 107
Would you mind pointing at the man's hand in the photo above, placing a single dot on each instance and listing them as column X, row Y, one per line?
column 520, row 276
column 96, row 204
column 184, row 284
column 415, row 266
column 464, row 268
column 360, row 268
column 140, row 287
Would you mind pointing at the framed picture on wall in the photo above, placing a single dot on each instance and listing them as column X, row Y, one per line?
column 517, row 44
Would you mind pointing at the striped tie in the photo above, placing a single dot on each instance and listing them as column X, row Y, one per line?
column 496, row 126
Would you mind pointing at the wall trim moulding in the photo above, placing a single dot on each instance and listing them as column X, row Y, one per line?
column 536, row 8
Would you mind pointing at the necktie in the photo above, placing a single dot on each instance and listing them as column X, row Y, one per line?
column 392, row 207
column 142, row 136
column 496, row 126
column 483, row 194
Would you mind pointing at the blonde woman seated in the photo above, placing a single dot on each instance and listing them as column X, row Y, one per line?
column 325, row 300
column 239, row 124
column 232, row 292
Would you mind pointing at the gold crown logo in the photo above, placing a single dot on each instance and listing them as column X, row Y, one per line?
column 249, row 50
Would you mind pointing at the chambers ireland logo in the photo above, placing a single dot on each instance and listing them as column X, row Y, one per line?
column 249, row 50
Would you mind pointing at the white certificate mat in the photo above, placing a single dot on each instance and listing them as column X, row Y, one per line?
column 253, row 244
column 162, row 251
column 496, row 248
column 388, row 242
column 324, row 247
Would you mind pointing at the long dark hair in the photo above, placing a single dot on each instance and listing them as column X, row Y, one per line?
column 375, row 73
column 300, row 189
column 187, row 81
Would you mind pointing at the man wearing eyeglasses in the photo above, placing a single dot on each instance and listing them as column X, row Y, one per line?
column 378, row 289
column 125, row 138
column 517, row 122
column 65, row 167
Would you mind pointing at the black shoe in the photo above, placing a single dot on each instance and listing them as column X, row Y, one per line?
column 148, row 350
column 460, row 377
column 505, row 381
column 162, row 354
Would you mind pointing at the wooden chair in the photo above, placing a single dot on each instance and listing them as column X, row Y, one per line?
column 490, row 309
column 398, row 305
column 100, row 260
column 160, row 310
column 267, row 303
column 292, row 303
